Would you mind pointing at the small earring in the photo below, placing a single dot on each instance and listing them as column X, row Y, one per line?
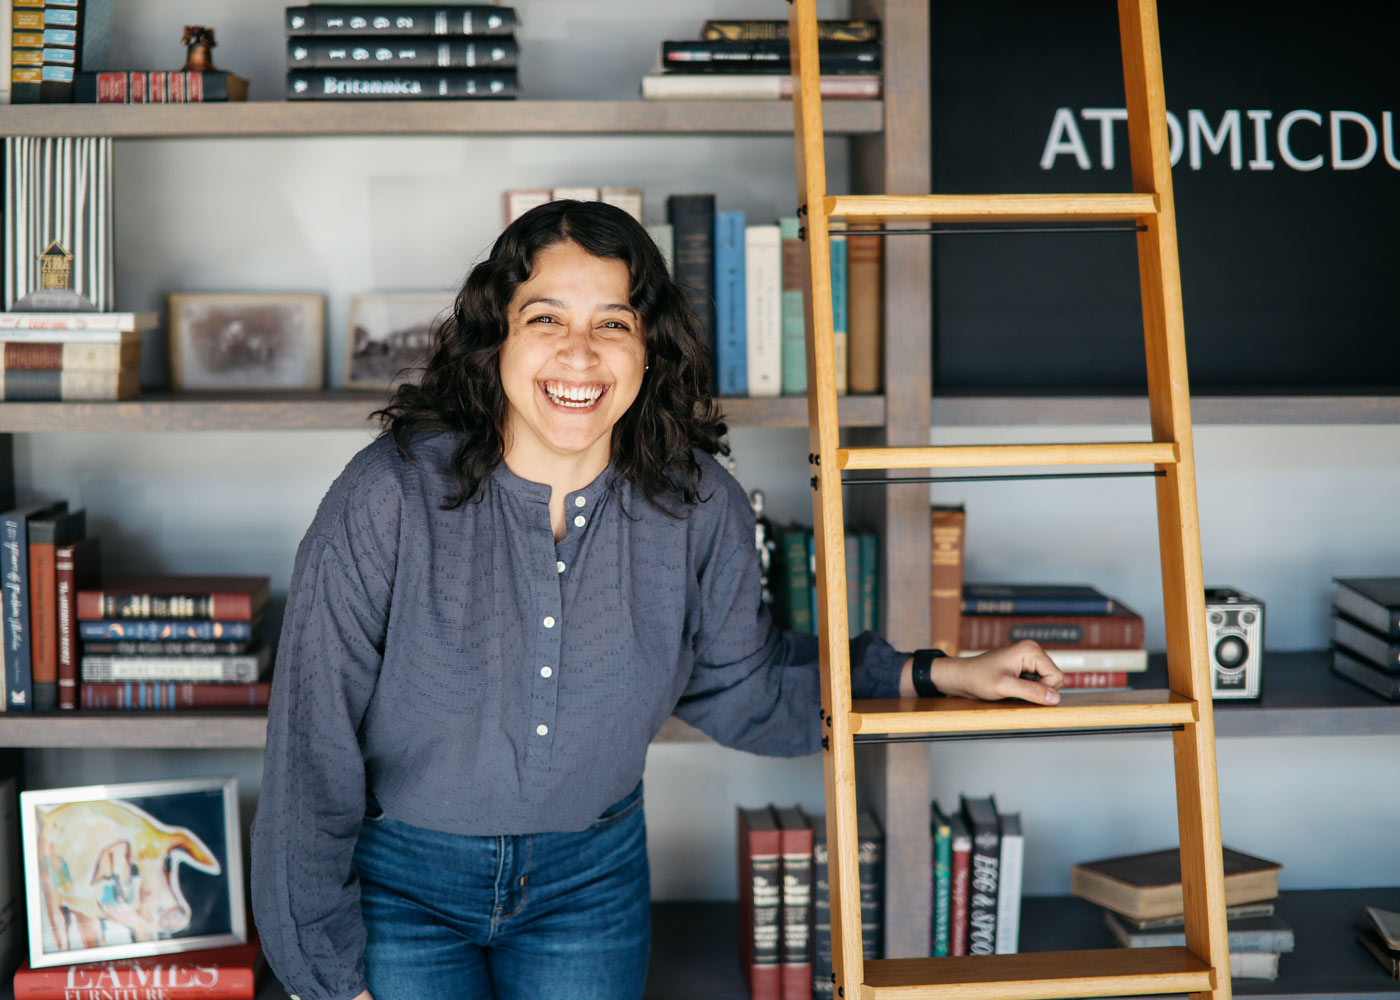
column 646, row 368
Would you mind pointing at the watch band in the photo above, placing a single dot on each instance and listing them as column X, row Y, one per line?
column 923, row 673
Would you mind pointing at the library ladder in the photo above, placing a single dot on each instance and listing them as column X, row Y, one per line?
column 1201, row 968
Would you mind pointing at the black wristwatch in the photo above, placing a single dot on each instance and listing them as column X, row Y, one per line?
column 923, row 673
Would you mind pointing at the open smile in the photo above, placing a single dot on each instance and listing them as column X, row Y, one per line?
column 574, row 397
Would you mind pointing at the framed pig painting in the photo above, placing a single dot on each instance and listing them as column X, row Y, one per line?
column 131, row 870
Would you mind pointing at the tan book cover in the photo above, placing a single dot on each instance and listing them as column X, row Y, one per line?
column 1144, row 886
column 865, row 305
column 945, row 607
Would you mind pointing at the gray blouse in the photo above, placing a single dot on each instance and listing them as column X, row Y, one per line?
column 477, row 677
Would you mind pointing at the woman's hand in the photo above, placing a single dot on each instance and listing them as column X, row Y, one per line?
column 1020, row 671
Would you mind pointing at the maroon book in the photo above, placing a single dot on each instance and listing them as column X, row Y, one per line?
column 170, row 695
column 796, row 950
column 208, row 598
column 1123, row 629
column 760, row 902
column 75, row 568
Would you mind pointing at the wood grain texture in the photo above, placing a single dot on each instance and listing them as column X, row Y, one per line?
column 993, row 207
column 1098, row 973
column 293, row 119
column 1007, row 455
column 1100, row 709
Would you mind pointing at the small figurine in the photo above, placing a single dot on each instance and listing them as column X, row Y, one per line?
column 200, row 41
column 55, row 292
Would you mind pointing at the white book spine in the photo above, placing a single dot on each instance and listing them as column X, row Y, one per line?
column 63, row 322
column 763, row 257
column 1129, row 661
column 576, row 193
column 711, row 87
column 1013, row 850
column 663, row 234
column 228, row 669
column 59, row 335
column 627, row 199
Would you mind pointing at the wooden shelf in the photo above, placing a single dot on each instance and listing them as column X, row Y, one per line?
column 1302, row 697
column 330, row 410
column 994, row 411
column 314, row 118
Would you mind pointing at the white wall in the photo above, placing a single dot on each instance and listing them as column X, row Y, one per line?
column 1282, row 508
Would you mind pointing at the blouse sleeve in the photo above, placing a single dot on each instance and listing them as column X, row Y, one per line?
column 755, row 687
column 306, row 898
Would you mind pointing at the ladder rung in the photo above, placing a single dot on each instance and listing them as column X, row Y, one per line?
column 1040, row 975
column 1003, row 455
column 1099, row 710
column 991, row 207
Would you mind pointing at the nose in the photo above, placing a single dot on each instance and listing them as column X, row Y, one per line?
column 577, row 348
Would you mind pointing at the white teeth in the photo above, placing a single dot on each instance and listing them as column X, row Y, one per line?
column 573, row 396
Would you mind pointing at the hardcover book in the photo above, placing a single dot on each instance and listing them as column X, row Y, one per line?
column 1368, row 645
column 1034, row 599
column 945, row 605
column 865, row 307
column 833, row 30
column 206, row 598
column 75, row 568
column 56, row 385
column 794, row 324
column 1374, row 601
column 796, row 839
column 839, row 309
column 1148, row 885
column 406, row 53
column 760, row 902
column 46, row 535
column 158, row 87
column 1250, row 934
column 171, row 695
column 731, row 305
column 765, row 56
column 357, row 83
column 763, row 265
column 753, row 87
column 871, row 853
column 400, row 20
column 14, row 571
column 822, row 985
column 230, row 973
column 942, row 831
column 980, row 814
column 56, row 355
column 692, row 217
column 960, row 883
column 1373, row 678
column 1241, row 912
column 1090, row 660
column 1387, row 925
column 241, row 669
column 1122, row 629
column 1013, row 852
column 162, row 629
column 1387, row 956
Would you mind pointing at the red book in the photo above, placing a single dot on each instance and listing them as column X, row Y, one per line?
column 760, row 902
column 796, row 949
column 959, row 893
column 1123, row 629
column 209, row 974
column 75, row 567
column 169, row 695
column 46, row 534
column 1089, row 679
column 207, row 598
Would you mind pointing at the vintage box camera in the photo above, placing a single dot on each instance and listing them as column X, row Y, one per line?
column 1235, row 642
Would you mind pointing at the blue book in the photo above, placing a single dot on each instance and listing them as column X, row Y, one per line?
column 14, row 571
column 839, row 309
column 158, row 629
column 1034, row 599
column 731, row 306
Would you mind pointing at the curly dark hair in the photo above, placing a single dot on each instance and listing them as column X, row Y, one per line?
column 461, row 391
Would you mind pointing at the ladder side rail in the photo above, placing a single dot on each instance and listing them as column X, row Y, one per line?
column 1197, row 785
column 828, row 517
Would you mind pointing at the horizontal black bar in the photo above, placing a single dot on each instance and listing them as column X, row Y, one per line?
column 1008, row 734
column 901, row 480
column 989, row 231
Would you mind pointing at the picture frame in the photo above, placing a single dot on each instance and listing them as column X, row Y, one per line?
column 391, row 333
column 132, row 870
column 246, row 340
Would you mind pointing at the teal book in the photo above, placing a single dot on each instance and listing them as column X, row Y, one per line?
column 794, row 351
column 869, row 581
column 839, row 309
column 731, row 306
column 942, row 831
column 798, row 589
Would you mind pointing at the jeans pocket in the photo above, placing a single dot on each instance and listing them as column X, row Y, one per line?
column 619, row 810
column 374, row 815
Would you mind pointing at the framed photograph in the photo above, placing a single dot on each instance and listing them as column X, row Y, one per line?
column 390, row 336
column 247, row 341
column 132, row 870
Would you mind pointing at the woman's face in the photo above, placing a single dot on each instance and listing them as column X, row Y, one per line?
column 572, row 361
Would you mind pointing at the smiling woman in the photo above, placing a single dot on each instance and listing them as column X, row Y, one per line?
column 499, row 604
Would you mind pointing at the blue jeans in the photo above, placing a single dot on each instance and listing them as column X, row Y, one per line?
column 553, row 915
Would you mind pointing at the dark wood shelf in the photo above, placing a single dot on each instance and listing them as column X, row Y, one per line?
column 330, row 410
column 363, row 118
column 982, row 411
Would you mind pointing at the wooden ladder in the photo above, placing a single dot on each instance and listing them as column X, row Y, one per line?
column 1202, row 967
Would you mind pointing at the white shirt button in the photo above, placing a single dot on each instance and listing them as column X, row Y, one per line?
column 542, row 729
column 579, row 501
column 549, row 621
column 546, row 672
column 580, row 521
column 559, row 565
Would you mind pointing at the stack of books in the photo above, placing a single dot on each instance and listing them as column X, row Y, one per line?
column 229, row 973
column 51, row 356
column 1366, row 633
column 1143, row 905
column 978, row 854
column 1095, row 639
column 382, row 52
column 49, row 40
column 1381, row 937
column 174, row 642
column 46, row 556
column 785, row 900
column 750, row 60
